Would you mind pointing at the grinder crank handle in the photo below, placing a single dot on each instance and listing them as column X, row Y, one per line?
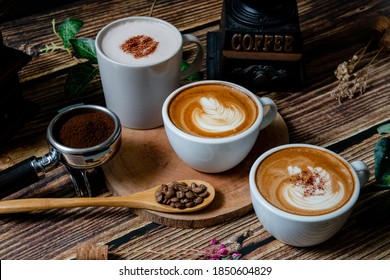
column 19, row 176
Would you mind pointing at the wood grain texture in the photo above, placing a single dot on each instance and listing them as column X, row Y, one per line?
column 332, row 32
column 147, row 159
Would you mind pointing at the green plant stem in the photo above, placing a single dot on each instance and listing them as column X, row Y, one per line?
column 53, row 47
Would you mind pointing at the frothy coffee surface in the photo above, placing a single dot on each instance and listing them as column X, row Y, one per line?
column 305, row 181
column 165, row 40
column 213, row 111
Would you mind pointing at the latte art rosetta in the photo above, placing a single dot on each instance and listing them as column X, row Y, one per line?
column 305, row 181
column 311, row 189
column 213, row 111
column 214, row 117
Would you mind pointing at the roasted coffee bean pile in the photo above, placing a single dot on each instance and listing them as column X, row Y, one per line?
column 180, row 195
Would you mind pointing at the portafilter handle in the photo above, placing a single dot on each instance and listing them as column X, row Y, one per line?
column 26, row 172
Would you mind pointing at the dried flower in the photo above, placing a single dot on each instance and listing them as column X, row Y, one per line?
column 221, row 251
column 213, row 241
column 355, row 83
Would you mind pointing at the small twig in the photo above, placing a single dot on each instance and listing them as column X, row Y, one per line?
column 53, row 47
column 53, row 26
column 375, row 56
column 363, row 50
column 151, row 9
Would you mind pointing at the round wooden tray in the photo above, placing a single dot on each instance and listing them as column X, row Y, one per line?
column 146, row 159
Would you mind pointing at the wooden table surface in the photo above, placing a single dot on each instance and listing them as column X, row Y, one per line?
column 332, row 32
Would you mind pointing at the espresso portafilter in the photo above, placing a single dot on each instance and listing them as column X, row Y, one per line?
column 77, row 160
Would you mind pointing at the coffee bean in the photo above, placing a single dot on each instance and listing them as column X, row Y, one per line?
column 190, row 204
column 198, row 200
column 180, row 195
column 197, row 189
column 160, row 198
column 170, row 192
column 179, row 205
column 204, row 194
column 190, row 195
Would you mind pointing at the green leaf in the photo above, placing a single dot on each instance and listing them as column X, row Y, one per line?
column 184, row 65
column 382, row 161
column 68, row 30
column 84, row 48
column 383, row 129
column 194, row 77
column 79, row 76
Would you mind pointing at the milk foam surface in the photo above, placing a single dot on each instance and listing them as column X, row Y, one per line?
column 322, row 195
column 168, row 41
column 213, row 111
column 213, row 116
column 305, row 181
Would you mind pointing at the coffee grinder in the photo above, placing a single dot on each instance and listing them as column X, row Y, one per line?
column 258, row 46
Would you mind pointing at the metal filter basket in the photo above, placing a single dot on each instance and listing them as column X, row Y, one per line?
column 77, row 160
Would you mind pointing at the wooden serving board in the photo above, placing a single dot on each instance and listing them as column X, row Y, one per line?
column 146, row 159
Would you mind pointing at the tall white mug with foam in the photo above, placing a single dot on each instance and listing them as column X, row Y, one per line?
column 303, row 194
column 139, row 61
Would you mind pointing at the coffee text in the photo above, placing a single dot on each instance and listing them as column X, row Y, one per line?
column 265, row 43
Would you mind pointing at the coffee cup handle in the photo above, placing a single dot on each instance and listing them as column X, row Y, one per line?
column 271, row 113
column 362, row 171
column 195, row 65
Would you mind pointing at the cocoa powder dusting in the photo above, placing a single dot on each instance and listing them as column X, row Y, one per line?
column 310, row 181
column 139, row 46
column 85, row 130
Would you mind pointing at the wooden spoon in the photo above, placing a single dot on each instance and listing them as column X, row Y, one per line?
column 145, row 199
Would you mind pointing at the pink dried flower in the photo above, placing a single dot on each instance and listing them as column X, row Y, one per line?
column 236, row 256
column 220, row 252
column 213, row 241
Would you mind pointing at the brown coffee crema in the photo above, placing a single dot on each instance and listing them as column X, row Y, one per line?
column 213, row 111
column 305, row 181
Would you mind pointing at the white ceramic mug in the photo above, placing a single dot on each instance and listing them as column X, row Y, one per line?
column 136, row 91
column 304, row 230
column 212, row 155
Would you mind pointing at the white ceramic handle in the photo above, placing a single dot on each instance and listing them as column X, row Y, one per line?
column 195, row 65
column 271, row 114
column 362, row 171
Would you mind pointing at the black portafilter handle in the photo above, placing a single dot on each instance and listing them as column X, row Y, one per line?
column 17, row 177
column 25, row 173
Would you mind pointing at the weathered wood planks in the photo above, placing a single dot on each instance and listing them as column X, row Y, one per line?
column 332, row 30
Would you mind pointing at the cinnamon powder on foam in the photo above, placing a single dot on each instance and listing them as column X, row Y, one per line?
column 139, row 46
column 310, row 181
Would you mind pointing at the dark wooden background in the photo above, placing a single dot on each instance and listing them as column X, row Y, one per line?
column 332, row 32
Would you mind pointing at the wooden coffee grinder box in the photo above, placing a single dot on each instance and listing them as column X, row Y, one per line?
column 258, row 45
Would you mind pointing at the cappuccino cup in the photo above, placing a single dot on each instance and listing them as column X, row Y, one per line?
column 139, row 61
column 213, row 125
column 303, row 194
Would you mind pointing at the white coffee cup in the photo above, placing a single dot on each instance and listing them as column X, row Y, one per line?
column 303, row 229
column 215, row 153
column 135, row 88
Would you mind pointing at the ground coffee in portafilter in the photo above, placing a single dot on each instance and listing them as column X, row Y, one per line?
column 84, row 130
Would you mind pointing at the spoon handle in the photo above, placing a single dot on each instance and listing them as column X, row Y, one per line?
column 34, row 204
